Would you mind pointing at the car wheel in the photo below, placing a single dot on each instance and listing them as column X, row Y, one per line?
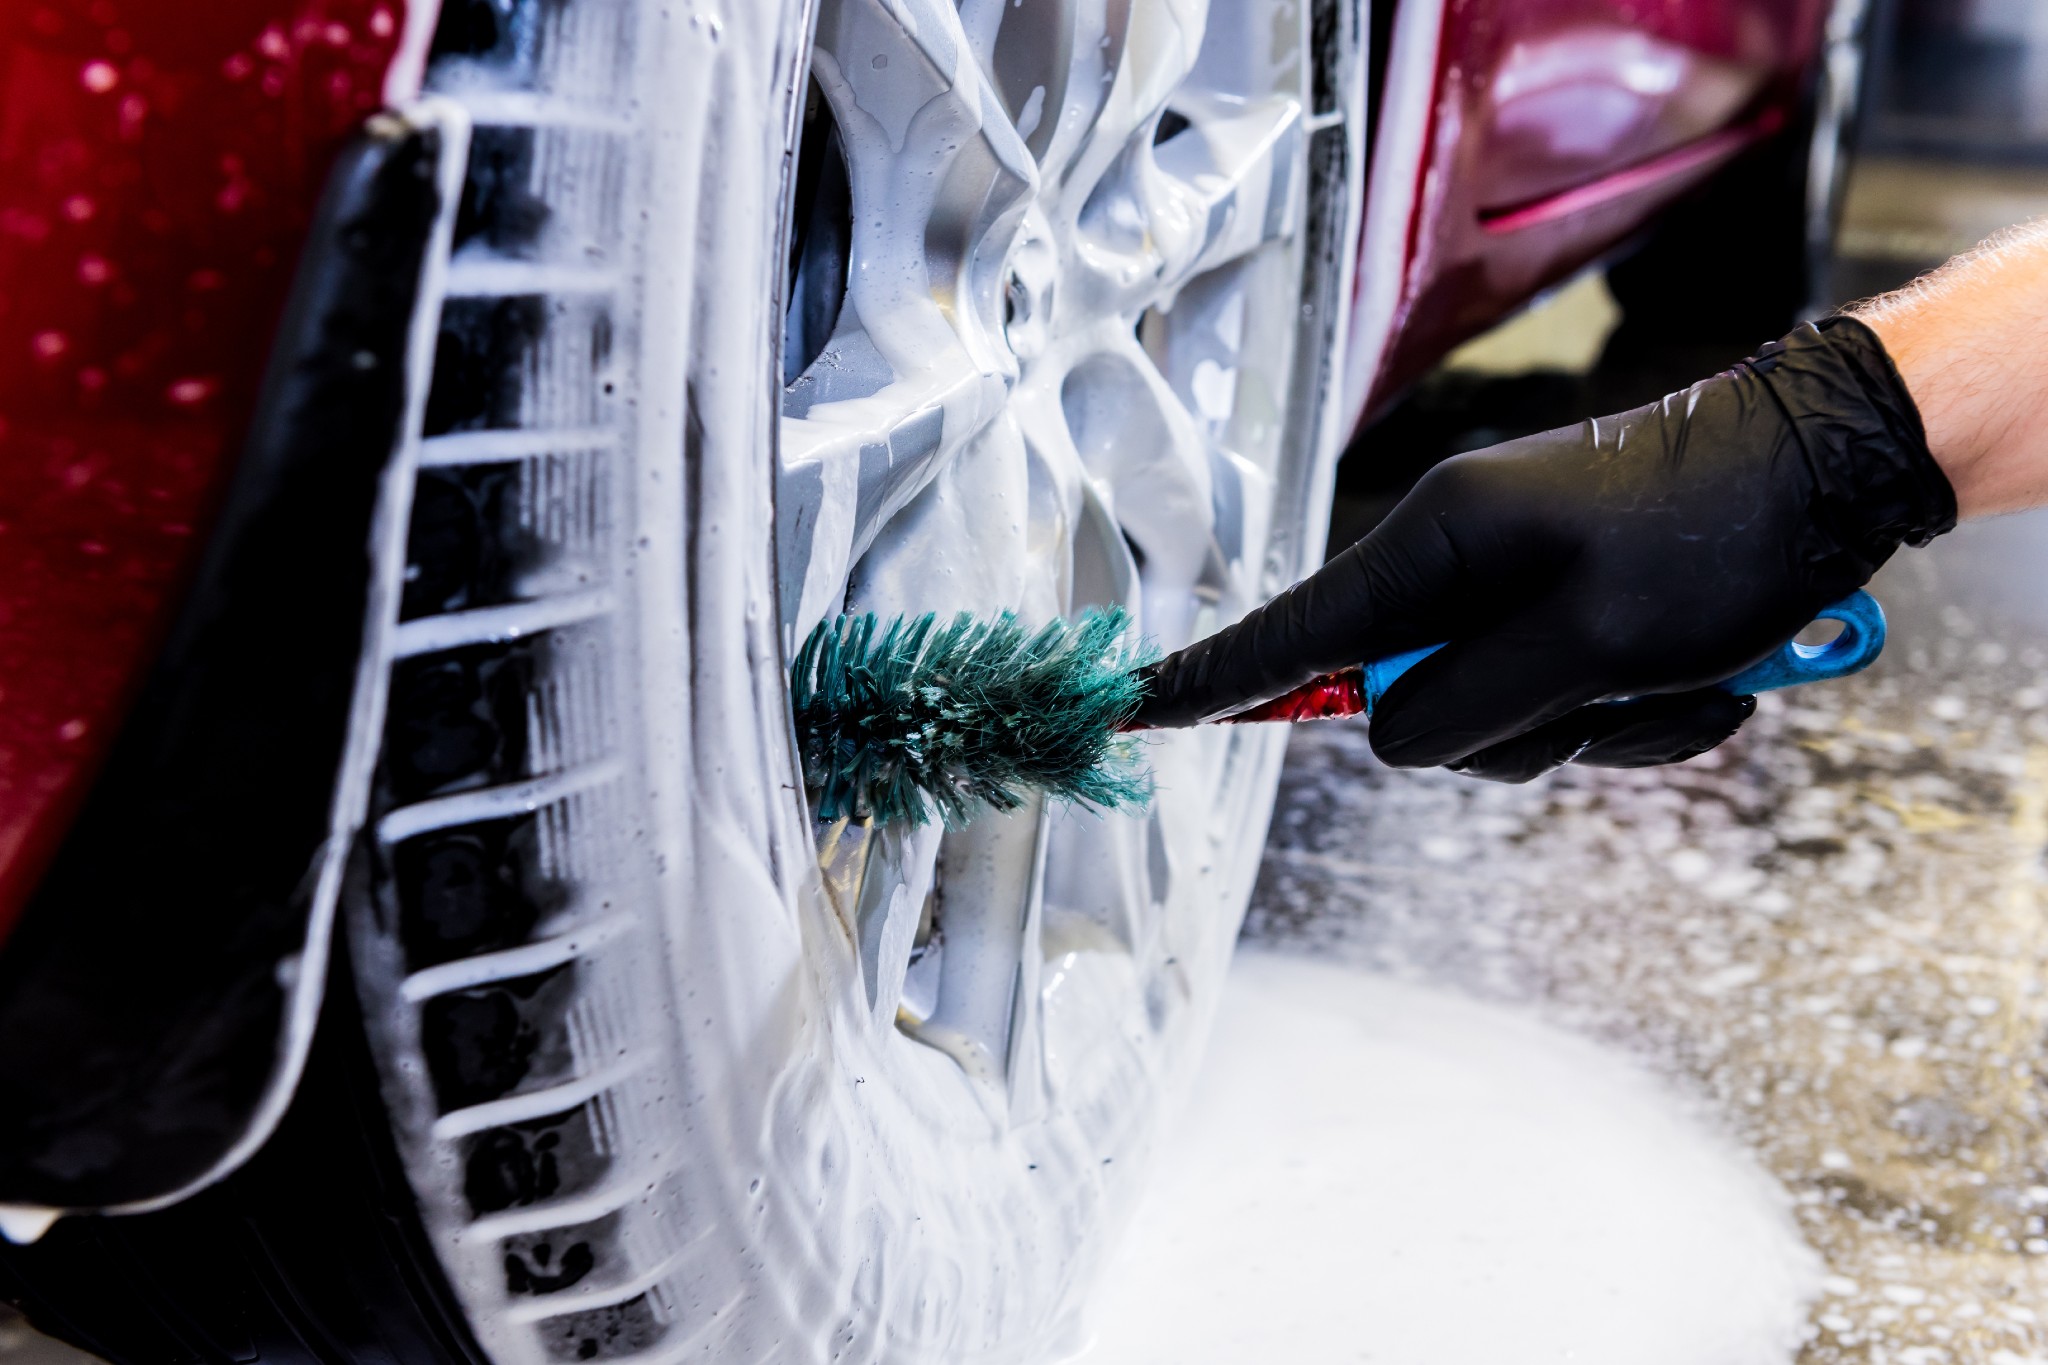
column 673, row 1070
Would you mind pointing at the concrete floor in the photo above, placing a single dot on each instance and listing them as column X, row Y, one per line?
column 1903, row 209
column 1901, row 216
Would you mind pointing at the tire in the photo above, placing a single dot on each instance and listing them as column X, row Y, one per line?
column 670, row 1070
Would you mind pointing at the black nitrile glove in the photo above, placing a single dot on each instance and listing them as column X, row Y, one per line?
column 1647, row 555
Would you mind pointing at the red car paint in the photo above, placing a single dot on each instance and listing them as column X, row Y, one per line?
column 159, row 164
column 1552, row 129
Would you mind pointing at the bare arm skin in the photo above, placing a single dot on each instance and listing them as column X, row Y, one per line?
column 1971, row 342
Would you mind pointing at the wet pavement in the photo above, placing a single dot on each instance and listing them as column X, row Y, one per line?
column 1832, row 932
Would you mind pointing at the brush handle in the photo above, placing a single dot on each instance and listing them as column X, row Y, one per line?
column 1359, row 689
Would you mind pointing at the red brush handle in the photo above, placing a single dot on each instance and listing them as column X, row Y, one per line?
column 1329, row 697
column 1326, row 698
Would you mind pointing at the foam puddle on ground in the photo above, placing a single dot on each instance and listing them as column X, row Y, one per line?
column 1377, row 1171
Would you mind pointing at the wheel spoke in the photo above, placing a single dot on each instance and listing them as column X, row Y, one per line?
column 846, row 471
column 1234, row 171
column 1057, row 485
column 915, row 366
column 1159, row 47
column 1053, row 63
column 898, row 878
column 1105, row 572
column 991, row 876
column 1151, row 467
column 961, row 544
column 1222, row 186
column 1097, row 885
column 939, row 181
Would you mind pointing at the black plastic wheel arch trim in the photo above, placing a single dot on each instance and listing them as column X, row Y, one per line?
column 157, row 997
column 311, row 1254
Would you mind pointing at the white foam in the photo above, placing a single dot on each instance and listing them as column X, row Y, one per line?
column 1375, row 1171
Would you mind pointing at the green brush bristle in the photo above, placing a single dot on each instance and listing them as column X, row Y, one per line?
column 897, row 725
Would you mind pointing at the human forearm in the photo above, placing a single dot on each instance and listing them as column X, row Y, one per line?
column 1971, row 342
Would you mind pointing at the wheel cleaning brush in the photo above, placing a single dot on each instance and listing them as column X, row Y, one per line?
column 899, row 724
column 904, row 722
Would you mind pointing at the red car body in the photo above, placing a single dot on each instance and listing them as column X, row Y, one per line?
column 160, row 165
column 1516, row 140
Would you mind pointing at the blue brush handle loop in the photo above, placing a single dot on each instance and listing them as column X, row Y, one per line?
column 1852, row 651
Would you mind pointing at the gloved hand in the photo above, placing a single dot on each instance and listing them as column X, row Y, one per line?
column 1647, row 556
